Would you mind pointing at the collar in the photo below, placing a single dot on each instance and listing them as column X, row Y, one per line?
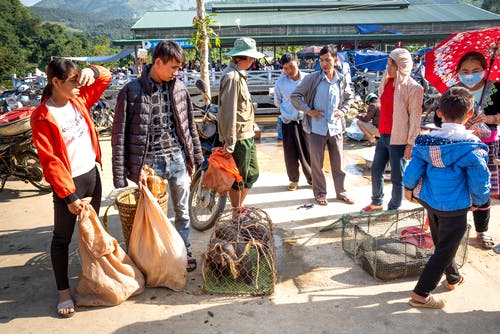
column 301, row 76
column 235, row 67
column 452, row 126
column 335, row 76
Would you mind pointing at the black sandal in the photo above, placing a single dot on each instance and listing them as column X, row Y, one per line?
column 191, row 261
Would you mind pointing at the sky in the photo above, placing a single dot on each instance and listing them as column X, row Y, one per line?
column 29, row 2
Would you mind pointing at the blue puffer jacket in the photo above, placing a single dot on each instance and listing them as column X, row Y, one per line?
column 448, row 175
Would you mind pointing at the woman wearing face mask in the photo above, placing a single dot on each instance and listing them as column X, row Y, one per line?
column 400, row 112
column 472, row 72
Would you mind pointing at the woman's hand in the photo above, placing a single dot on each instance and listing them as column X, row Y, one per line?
column 86, row 77
column 76, row 207
column 407, row 153
column 479, row 118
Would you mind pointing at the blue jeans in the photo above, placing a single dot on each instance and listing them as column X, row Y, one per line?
column 385, row 152
column 173, row 168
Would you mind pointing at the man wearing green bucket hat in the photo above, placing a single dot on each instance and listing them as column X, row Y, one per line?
column 236, row 117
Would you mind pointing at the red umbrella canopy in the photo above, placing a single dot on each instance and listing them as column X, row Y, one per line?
column 441, row 61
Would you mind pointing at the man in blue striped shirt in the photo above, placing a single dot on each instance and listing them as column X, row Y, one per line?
column 294, row 139
column 325, row 97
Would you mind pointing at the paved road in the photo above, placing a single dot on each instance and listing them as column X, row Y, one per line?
column 319, row 289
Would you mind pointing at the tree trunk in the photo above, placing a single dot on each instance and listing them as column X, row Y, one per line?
column 203, row 47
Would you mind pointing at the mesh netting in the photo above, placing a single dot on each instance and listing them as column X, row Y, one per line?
column 381, row 244
column 240, row 256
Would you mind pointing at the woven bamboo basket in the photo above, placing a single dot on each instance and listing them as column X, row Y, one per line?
column 127, row 204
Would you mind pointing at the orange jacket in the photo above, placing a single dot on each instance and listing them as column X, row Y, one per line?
column 49, row 142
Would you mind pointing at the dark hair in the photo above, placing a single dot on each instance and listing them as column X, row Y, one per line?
column 58, row 68
column 455, row 103
column 288, row 57
column 167, row 50
column 474, row 55
column 329, row 48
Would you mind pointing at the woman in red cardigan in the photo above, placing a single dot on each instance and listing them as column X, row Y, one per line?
column 68, row 149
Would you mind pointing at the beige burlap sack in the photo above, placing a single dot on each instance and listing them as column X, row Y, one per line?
column 108, row 276
column 155, row 245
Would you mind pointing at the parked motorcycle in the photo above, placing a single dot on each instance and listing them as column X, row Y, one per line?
column 429, row 106
column 22, row 96
column 19, row 159
column 205, row 205
column 360, row 84
column 102, row 115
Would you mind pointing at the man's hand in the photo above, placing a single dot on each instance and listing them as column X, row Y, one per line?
column 407, row 154
column 76, row 207
column 409, row 195
column 142, row 179
column 227, row 154
column 190, row 170
column 315, row 113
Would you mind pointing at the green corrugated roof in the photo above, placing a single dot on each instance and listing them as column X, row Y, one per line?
column 433, row 13
column 312, row 38
column 357, row 4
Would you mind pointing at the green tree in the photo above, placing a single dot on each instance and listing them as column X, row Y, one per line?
column 491, row 6
column 200, row 38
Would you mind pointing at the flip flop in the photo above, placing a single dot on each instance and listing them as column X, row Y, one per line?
column 372, row 208
column 485, row 240
column 321, row 200
column 68, row 303
column 452, row 287
column 433, row 303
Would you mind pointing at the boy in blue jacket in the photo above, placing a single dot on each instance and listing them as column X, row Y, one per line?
column 448, row 175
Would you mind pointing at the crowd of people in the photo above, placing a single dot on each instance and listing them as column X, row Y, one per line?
column 154, row 125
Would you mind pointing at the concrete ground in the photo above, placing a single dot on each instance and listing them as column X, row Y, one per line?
column 319, row 288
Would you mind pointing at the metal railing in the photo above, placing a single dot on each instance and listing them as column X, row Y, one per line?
column 189, row 78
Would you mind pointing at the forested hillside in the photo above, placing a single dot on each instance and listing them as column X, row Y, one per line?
column 28, row 43
column 88, row 22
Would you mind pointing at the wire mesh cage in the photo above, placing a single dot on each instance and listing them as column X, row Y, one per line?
column 240, row 258
column 392, row 244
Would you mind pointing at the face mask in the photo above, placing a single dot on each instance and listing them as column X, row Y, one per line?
column 470, row 80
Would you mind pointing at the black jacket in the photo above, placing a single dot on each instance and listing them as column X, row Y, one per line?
column 130, row 134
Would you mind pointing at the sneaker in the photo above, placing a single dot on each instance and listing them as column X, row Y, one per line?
column 293, row 186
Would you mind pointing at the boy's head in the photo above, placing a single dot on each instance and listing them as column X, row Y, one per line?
column 456, row 105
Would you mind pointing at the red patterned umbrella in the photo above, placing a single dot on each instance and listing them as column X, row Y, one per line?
column 441, row 61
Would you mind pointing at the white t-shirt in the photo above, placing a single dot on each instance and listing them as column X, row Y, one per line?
column 76, row 136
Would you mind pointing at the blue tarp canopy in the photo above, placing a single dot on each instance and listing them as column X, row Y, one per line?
column 370, row 59
column 374, row 28
column 103, row 59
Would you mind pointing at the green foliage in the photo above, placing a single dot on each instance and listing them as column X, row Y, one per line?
column 198, row 24
column 491, row 5
column 27, row 43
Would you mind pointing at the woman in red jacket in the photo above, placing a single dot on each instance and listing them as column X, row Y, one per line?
column 68, row 149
